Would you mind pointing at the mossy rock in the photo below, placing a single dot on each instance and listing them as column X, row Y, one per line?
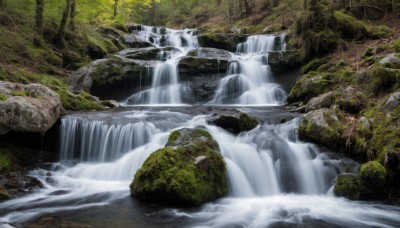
column 384, row 80
column 348, row 185
column 6, row 161
column 350, row 27
column 188, row 171
column 350, row 100
column 76, row 102
column 235, row 122
column 324, row 127
column 396, row 46
column 373, row 176
column 307, row 87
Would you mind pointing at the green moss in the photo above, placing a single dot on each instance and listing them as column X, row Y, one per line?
column 384, row 80
column 350, row 27
column 313, row 65
column 173, row 136
column 83, row 101
column 6, row 161
column 309, row 86
column 171, row 176
column 373, row 175
column 396, row 46
column 378, row 32
column 368, row 52
column 348, row 185
column 3, row 97
column 247, row 123
column 21, row 93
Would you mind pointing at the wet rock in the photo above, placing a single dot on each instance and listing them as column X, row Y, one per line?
column 188, row 171
column 392, row 102
column 221, row 41
column 198, row 65
column 350, row 100
column 149, row 53
column 135, row 41
column 210, row 53
column 28, row 108
column 322, row 101
column 111, row 104
column 348, row 185
column 324, row 127
column 235, row 122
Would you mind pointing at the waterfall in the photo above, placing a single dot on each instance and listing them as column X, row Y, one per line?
column 249, row 79
column 165, row 87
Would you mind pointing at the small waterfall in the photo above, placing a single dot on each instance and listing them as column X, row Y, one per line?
column 257, row 44
column 97, row 141
column 165, row 87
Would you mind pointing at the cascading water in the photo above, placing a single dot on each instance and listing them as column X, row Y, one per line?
column 249, row 78
column 165, row 88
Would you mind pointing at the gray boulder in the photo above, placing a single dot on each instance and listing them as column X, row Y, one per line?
column 392, row 102
column 28, row 108
column 322, row 101
column 210, row 53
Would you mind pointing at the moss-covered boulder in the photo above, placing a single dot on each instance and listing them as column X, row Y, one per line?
column 221, row 41
column 197, row 65
column 234, row 122
column 307, row 87
column 350, row 100
column 348, row 185
column 324, row 127
column 391, row 103
column 373, row 177
column 188, row 171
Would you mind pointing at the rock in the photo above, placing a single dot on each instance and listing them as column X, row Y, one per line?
column 105, row 78
column 307, row 88
column 210, row 53
column 149, row 53
column 234, row 122
column 373, row 177
column 391, row 61
column 111, row 104
column 188, row 171
column 133, row 27
column 324, row 127
column 29, row 108
column 198, row 65
column 348, row 185
column 350, row 100
column 283, row 62
column 391, row 103
column 135, row 41
column 221, row 41
column 322, row 101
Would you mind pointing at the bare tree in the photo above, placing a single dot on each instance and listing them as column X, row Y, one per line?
column 38, row 22
column 59, row 39
column 72, row 15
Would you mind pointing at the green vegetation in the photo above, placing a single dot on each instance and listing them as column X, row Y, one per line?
column 5, row 161
column 3, row 97
column 348, row 185
column 373, row 175
column 189, row 171
column 396, row 46
column 247, row 123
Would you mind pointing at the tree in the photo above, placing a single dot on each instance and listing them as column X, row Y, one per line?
column 116, row 7
column 72, row 15
column 59, row 39
column 38, row 22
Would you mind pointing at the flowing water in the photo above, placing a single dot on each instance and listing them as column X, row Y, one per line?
column 274, row 178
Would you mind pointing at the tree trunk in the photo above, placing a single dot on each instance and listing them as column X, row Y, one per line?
column 115, row 8
column 59, row 40
column 37, row 40
column 1, row 3
column 72, row 15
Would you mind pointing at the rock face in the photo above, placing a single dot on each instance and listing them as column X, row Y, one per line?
column 322, row 126
column 135, row 41
column 198, row 65
column 234, row 122
column 28, row 108
column 221, row 41
column 188, row 171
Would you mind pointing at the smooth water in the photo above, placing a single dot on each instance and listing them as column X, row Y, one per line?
column 273, row 177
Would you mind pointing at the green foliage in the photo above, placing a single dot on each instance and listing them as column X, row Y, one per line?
column 396, row 46
column 379, row 32
column 21, row 93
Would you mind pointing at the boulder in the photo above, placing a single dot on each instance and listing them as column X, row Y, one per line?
column 373, row 178
column 199, row 65
column 149, row 53
column 323, row 127
column 28, row 108
column 348, row 185
column 391, row 103
column 210, row 53
column 107, row 78
column 308, row 87
column 350, row 100
column 188, row 171
column 134, row 41
column 322, row 101
column 221, row 41
column 391, row 61
column 235, row 122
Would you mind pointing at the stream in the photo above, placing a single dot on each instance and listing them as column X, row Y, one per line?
column 275, row 180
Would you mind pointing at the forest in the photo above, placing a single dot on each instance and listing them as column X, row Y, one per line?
column 199, row 113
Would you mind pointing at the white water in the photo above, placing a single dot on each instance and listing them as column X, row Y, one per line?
column 272, row 177
column 165, row 88
column 249, row 79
